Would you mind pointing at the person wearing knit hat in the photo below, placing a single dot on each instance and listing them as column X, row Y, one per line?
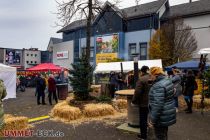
column 161, row 104
column 156, row 71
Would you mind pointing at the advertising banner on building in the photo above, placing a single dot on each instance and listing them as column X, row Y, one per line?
column 106, row 48
column 13, row 57
column 63, row 55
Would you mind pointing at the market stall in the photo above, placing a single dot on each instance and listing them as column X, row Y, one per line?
column 62, row 87
column 45, row 67
column 8, row 75
column 127, row 66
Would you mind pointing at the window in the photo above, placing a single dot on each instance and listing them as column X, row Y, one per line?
column 31, row 62
column 91, row 52
column 31, row 54
column 27, row 62
column 143, row 51
column 35, row 62
column 27, row 54
column 132, row 48
column 35, row 55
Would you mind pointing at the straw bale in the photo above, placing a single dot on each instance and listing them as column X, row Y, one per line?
column 14, row 123
column 119, row 104
column 66, row 112
column 68, row 99
column 97, row 110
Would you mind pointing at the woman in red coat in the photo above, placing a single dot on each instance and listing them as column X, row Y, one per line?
column 52, row 89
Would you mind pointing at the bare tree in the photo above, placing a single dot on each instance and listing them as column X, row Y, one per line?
column 70, row 10
column 173, row 42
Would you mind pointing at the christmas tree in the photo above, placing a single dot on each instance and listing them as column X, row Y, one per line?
column 81, row 78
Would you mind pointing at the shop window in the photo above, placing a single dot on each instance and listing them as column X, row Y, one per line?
column 143, row 51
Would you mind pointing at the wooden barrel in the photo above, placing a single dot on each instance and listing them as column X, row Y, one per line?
column 133, row 113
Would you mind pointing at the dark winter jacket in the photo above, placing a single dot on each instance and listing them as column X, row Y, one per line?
column 40, row 85
column 142, row 91
column 189, row 86
column 161, row 102
column 51, row 84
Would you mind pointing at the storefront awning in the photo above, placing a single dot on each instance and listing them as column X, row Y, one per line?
column 127, row 66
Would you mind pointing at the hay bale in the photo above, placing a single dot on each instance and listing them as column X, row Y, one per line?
column 66, row 112
column 119, row 104
column 97, row 110
column 14, row 123
column 68, row 99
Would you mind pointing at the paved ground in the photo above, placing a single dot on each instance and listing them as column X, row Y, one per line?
column 188, row 127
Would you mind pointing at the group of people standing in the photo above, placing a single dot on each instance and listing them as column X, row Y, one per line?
column 41, row 85
column 157, row 94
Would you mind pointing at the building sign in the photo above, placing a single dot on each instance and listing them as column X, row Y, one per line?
column 103, row 58
column 106, row 48
column 63, row 55
column 13, row 57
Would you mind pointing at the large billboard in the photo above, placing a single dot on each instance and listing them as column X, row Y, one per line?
column 106, row 48
column 13, row 57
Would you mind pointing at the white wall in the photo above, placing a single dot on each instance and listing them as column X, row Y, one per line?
column 137, row 37
column 202, row 35
column 64, row 46
column 27, row 57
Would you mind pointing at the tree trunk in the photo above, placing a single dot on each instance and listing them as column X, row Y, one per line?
column 88, row 30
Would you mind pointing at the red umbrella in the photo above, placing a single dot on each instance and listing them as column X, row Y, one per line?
column 45, row 67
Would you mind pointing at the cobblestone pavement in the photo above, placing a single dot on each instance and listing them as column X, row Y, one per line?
column 188, row 127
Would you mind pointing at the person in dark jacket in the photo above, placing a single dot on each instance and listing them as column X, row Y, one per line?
column 161, row 104
column 189, row 90
column 177, row 80
column 52, row 89
column 120, row 81
column 40, row 86
column 140, row 98
column 113, row 83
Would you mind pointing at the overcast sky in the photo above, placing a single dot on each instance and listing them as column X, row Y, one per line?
column 30, row 23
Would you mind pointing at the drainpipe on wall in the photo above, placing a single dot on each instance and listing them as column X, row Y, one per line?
column 190, row 1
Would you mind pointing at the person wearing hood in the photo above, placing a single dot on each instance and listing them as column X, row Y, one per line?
column 3, row 94
column 161, row 103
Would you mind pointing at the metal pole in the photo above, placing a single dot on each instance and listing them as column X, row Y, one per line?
column 136, row 71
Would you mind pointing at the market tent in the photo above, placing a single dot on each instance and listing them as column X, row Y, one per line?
column 45, row 67
column 204, row 51
column 8, row 75
column 192, row 64
column 127, row 66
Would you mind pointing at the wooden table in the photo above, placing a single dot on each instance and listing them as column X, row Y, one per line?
column 132, row 111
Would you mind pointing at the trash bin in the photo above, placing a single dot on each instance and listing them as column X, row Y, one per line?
column 62, row 90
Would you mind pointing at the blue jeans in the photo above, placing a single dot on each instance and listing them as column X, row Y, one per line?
column 176, row 102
